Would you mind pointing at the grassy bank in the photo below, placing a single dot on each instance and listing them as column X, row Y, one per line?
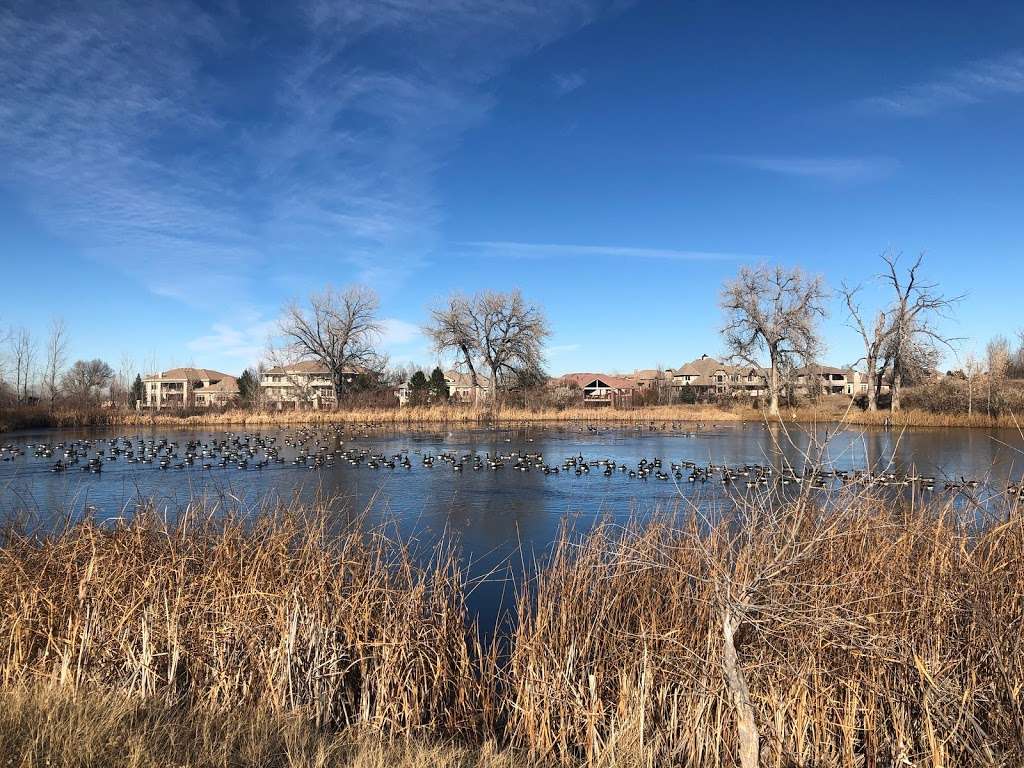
column 47, row 727
column 871, row 635
column 838, row 410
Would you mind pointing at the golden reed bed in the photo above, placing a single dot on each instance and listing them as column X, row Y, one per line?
column 27, row 418
column 875, row 634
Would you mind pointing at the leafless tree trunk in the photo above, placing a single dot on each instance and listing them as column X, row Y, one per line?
column 739, row 692
column 454, row 328
column 972, row 369
column 23, row 351
column 496, row 331
column 916, row 305
column 339, row 330
column 997, row 353
column 773, row 311
column 873, row 338
column 56, row 358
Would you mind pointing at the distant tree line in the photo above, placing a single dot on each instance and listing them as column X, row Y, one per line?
column 771, row 320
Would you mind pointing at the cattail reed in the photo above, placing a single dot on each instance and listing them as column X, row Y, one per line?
column 865, row 631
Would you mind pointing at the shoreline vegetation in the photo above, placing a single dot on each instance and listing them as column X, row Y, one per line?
column 38, row 417
column 871, row 631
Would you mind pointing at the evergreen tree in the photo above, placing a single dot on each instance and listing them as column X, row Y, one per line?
column 248, row 387
column 438, row 386
column 419, row 388
column 138, row 390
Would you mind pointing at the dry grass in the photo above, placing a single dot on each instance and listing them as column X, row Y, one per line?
column 829, row 410
column 48, row 727
column 399, row 417
column 872, row 634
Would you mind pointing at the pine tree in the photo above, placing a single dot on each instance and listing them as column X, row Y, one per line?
column 247, row 387
column 438, row 386
column 419, row 388
column 138, row 390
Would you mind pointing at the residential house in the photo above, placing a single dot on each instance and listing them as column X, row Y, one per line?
column 651, row 378
column 460, row 388
column 303, row 385
column 602, row 388
column 708, row 376
column 189, row 388
column 828, row 380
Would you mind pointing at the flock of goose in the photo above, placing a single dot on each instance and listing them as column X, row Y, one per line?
column 316, row 448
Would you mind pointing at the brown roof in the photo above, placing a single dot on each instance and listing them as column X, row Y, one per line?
column 702, row 366
column 825, row 369
column 460, row 379
column 706, row 367
column 302, row 366
column 583, row 379
column 191, row 374
column 228, row 384
column 652, row 373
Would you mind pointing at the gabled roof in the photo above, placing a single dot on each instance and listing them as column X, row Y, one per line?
column 702, row 366
column 462, row 380
column 228, row 384
column 302, row 366
column 706, row 367
column 824, row 370
column 584, row 379
column 652, row 374
column 189, row 374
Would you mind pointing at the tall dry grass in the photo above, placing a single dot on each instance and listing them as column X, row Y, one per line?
column 28, row 418
column 870, row 633
column 834, row 411
column 45, row 727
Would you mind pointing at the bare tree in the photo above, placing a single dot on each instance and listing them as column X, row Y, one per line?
column 997, row 354
column 56, row 358
column 875, row 336
column 339, row 330
column 917, row 304
column 121, row 387
column 453, row 328
column 773, row 311
column 499, row 332
column 972, row 371
column 22, row 352
column 86, row 380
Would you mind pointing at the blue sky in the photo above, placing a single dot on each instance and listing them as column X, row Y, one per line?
column 171, row 173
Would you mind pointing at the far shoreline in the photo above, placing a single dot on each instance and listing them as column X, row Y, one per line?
column 12, row 420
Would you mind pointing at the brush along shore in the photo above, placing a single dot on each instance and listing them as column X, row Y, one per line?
column 41, row 418
column 868, row 632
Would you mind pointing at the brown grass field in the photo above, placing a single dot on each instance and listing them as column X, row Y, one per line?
column 837, row 410
column 874, row 633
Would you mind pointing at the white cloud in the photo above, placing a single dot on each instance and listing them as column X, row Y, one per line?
column 246, row 343
column 128, row 135
column 560, row 349
column 398, row 333
column 972, row 83
column 567, row 82
column 835, row 169
column 507, row 249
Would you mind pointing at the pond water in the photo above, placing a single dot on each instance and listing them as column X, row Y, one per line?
column 492, row 512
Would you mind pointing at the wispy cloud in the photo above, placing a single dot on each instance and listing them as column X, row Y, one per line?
column 834, row 169
column 567, row 82
column 555, row 350
column 507, row 249
column 972, row 83
column 399, row 333
column 244, row 343
column 136, row 133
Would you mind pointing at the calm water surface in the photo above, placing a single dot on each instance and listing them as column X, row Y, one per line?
column 492, row 514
